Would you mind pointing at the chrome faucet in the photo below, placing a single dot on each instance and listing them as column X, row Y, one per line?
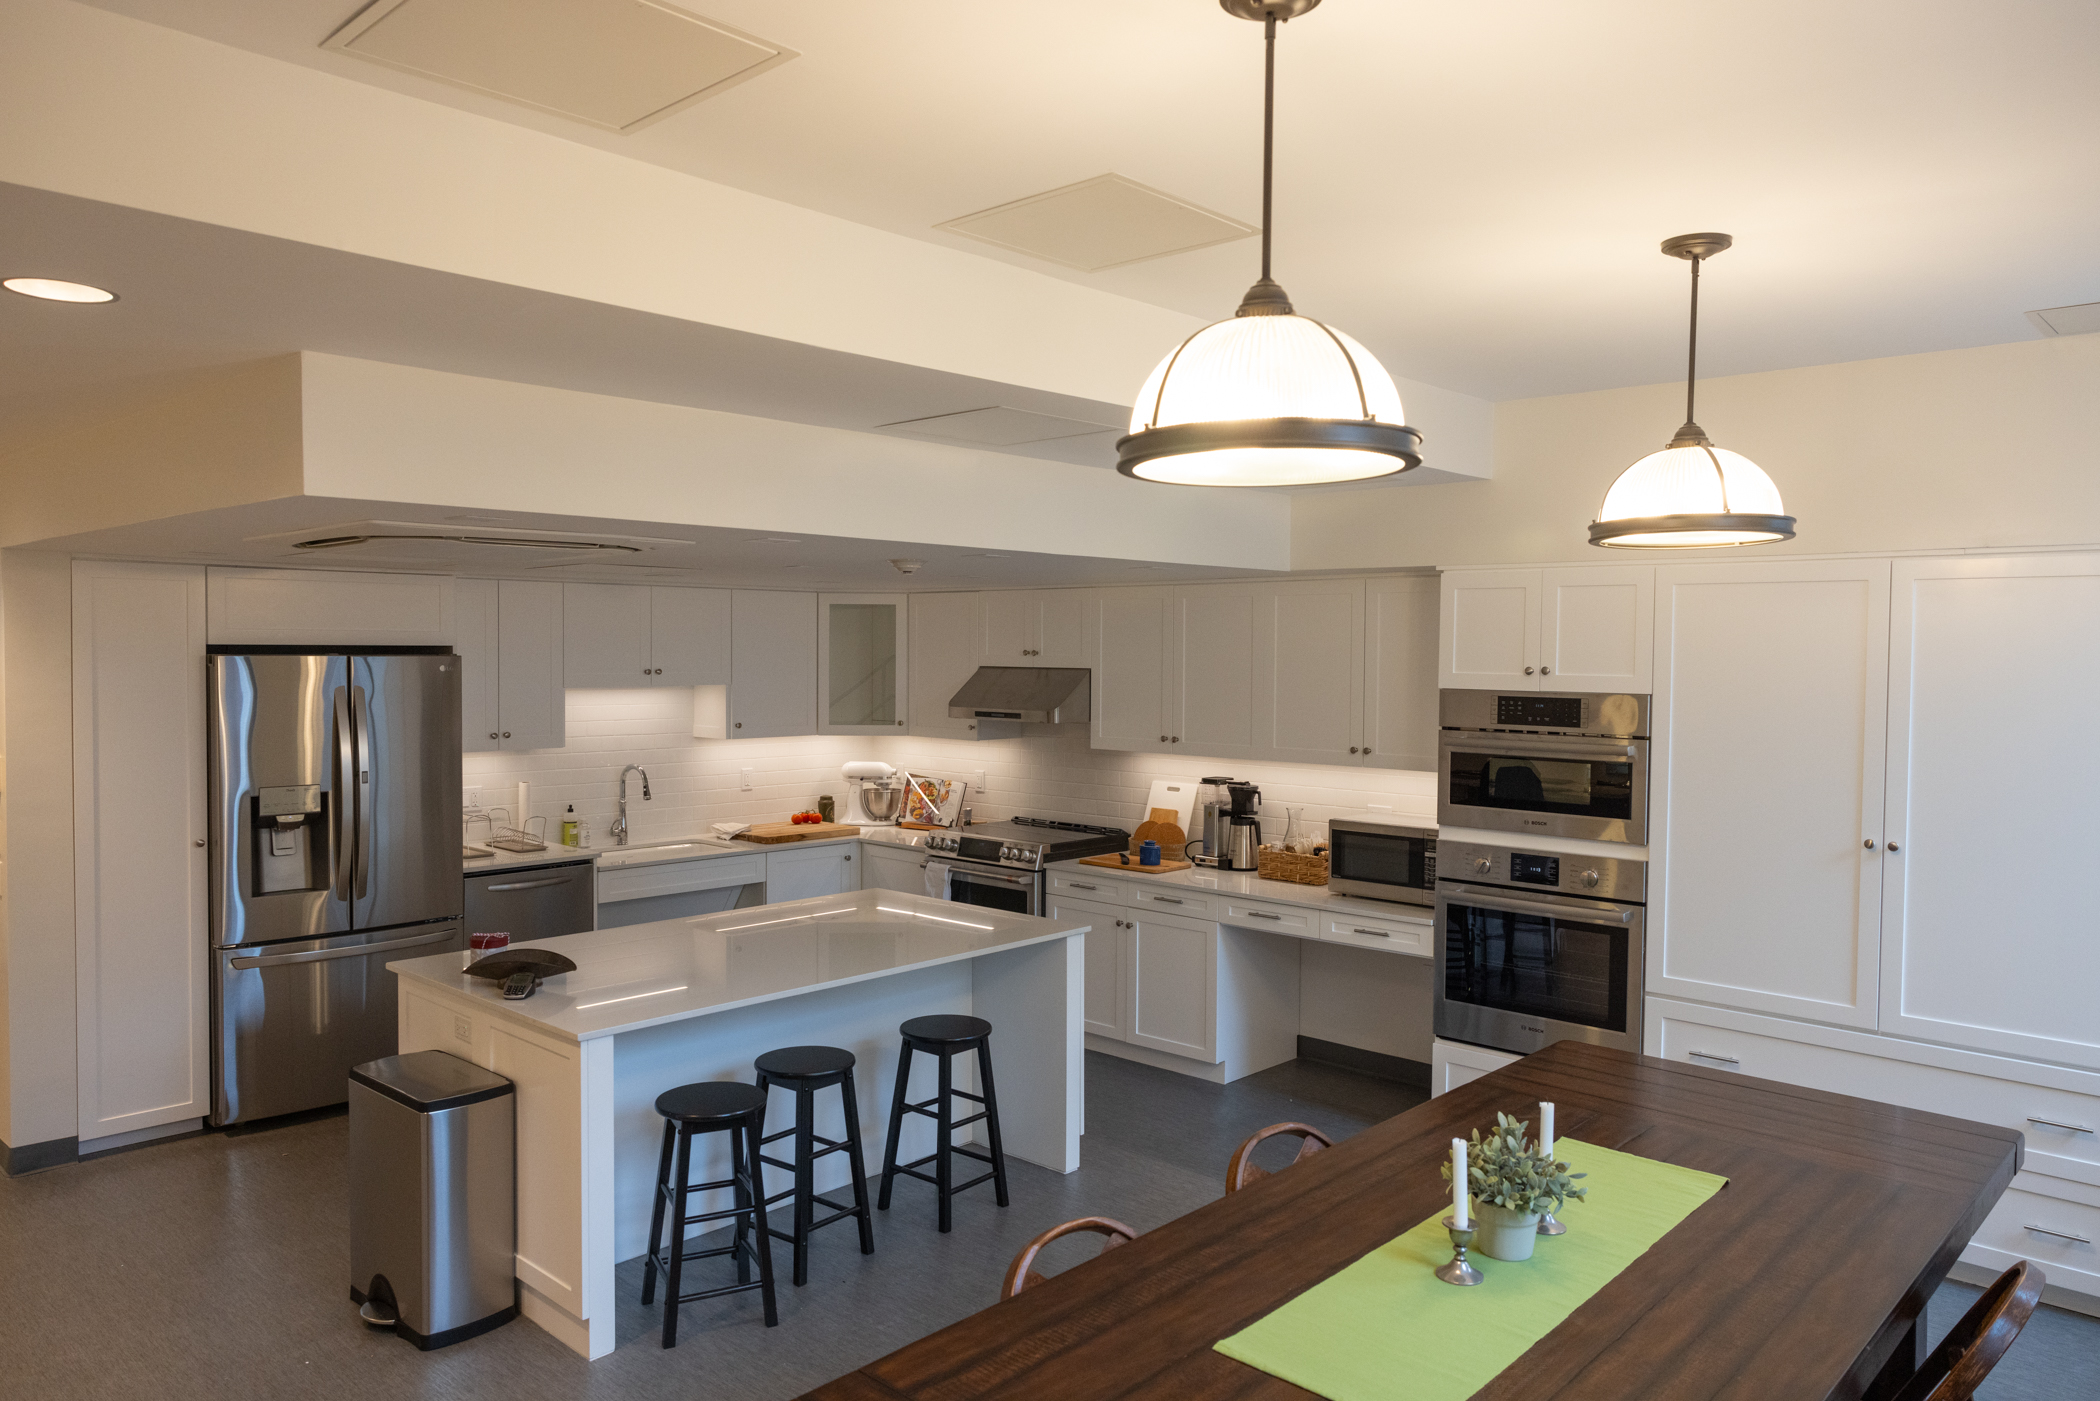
column 619, row 827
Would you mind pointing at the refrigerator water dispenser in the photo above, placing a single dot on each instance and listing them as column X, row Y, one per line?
column 289, row 828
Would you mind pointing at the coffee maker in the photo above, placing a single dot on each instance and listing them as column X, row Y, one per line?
column 1239, row 833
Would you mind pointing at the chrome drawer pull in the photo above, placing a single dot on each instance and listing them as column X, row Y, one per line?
column 1375, row 933
column 532, row 884
column 1709, row 1056
column 1262, row 914
column 2053, row 1124
column 2060, row 1235
column 1077, row 886
column 1167, row 899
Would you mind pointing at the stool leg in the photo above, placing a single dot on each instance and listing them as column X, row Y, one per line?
column 991, row 1117
column 889, row 1152
column 805, row 1178
column 943, row 1164
column 753, row 1129
column 683, row 1167
column 656, row 1215
column 860, row 1170
column 742, row 1183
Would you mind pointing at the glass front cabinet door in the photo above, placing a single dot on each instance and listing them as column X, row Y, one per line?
column 860, row 663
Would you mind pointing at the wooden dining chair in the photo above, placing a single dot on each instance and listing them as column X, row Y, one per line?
column 1020, row 1276
column 1969, row 1351
column 1243, row 1169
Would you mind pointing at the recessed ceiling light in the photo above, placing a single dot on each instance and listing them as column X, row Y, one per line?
column 50, row 289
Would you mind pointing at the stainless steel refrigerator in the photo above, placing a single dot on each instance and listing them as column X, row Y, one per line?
column 335, row 805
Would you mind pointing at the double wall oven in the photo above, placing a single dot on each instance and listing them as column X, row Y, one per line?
column 1534, row 947
column 1544, row 764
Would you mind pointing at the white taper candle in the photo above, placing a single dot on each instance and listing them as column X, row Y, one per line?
column 1545, row 1129
column 1461, row 1194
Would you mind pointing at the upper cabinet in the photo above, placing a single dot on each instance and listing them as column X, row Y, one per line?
column 861, row 653
column 946, row 629
column 1570, row 629
column 1400, row 673
column 625, row 635
column 510, row 643
column 774, row 688
column 1132, row 630
column 1309, row 672
column 326, row 608
column 1211, row 681
column 1034, row 627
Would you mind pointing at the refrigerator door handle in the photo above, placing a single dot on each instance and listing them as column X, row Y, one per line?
column 278, row 960
column 363, row 720
column 345, row 794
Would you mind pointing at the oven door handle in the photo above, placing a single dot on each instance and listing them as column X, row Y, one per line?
column 1507, row 746
column 1476, row 898
column 956, row 873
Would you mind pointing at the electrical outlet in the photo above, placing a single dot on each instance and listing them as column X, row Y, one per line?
column 463, row 1030
column 745, row 776
column 470, row 799
column 981, row 787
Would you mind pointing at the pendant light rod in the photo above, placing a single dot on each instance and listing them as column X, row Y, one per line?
column 1268, row 136
column 1691, row 360
column 1695, row 248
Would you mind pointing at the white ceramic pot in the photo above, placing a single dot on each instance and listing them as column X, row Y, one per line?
column 1505, row 1234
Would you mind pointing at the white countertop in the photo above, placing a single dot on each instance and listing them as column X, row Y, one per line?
column 661, row 849
column 1248, row 885
column 647, row 974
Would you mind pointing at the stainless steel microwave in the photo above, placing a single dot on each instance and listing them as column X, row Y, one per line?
column 1381, row 860
column 1544, row 764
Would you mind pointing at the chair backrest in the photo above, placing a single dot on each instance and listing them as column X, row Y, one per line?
column 1020, row 1274
column 1242, row 1169
column 1974, row 1345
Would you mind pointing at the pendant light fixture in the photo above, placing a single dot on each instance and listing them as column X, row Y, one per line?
column 1692, row 494
column 1269, row 397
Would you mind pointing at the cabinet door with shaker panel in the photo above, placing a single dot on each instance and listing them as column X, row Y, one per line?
column 773, row 688
column 1132, row 631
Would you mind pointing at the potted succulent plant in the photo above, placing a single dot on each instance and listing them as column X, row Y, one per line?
column 1512, row 1184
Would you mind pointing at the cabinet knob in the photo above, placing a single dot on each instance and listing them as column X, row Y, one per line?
column 1162, row 739
column 1367, row 749
column 494, row 735
column 1892, row 846
column 740, row 724
column 1175, row 740
column 198, row 842
column 849, row 858
column 1352, row 749
column 506, row 734
column 1527, row 671
column 1870, row 843
column 645, row 671
column 900, row 725
column 1545, row 671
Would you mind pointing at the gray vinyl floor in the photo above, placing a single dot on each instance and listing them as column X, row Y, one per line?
column 216, row 1267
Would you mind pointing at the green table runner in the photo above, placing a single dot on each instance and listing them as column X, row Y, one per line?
column 1387, row 1329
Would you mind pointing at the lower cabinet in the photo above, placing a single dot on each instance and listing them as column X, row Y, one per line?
column 892, row 868
column 1173, row 969
column 801, row 872
column 1454, row 1063
column 1105, row 953
column 676, row 889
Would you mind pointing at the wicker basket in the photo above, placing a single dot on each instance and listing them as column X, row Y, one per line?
column 1290, row 866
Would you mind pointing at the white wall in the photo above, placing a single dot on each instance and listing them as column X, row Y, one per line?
column 1949, row 450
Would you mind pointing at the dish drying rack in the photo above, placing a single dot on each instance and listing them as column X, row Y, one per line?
column 503, row 836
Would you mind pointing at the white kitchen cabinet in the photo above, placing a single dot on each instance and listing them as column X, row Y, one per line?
column 510, row 642
column 885, row 867
column 1172, row 965
column 1107, row 1012
column 799, row 872
column 1455, row 1063
column 1400, row 672
column 1132, row 629
column 140, row 864
column 1033, row 627
column 862, row 641
column 945, row 629
column 1308, row 672
column 628, row 635
column 1986, row 873
column 1211, row 670
column 328, row 608
column 1584, row 628
column 773, row 687
column 1765, row 789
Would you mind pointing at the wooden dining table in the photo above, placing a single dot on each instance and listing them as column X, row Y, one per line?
column 1805, row 1277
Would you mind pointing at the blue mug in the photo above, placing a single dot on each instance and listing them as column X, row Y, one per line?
column 1148, row 854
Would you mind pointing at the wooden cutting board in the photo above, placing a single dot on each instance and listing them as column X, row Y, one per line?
column 1161, row 828
column 774, row 833
column 1115, row 863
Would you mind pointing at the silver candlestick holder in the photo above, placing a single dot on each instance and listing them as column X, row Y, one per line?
column 1459, row 1270
column 1548, row 1226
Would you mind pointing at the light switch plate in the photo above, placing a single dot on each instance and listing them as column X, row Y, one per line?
column 463, row 1030
column 744, row 775
column 470, row 799
column 981, row 786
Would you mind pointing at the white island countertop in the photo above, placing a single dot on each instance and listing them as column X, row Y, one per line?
column 646, row 975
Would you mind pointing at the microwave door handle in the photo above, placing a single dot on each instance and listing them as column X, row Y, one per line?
column 1476, row 898
column 362, row 716
column 345, row 794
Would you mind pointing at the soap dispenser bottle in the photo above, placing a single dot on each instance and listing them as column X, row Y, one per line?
column 568, row 826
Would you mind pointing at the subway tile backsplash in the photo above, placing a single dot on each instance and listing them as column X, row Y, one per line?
column 698, row 781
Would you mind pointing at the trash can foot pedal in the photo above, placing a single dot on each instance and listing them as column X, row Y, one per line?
column 378, row 1314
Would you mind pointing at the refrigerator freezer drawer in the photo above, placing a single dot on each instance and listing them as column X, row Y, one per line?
column 291, row 1018
column 536, row 903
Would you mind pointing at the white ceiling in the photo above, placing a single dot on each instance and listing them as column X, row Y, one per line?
column 1474, row 191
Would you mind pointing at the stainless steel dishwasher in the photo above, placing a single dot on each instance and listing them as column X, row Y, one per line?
column 533, row 902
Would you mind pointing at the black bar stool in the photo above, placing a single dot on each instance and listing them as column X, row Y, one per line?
column 713, row 1106
column 805, row 1070
column 944, row 1037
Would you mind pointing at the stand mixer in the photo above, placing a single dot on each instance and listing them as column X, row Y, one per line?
column 877, row 795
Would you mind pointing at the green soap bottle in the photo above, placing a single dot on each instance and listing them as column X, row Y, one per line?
column 568, row 826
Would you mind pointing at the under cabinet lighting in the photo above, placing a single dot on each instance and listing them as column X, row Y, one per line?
column 50, row 289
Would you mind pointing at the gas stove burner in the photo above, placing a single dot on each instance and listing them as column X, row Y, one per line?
column 1070, row 827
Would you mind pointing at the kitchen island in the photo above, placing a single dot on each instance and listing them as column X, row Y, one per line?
column 651, row 1006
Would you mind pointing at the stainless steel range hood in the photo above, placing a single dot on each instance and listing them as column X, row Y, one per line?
column 1051, row 695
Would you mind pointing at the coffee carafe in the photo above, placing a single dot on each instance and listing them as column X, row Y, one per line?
column 1240, row 834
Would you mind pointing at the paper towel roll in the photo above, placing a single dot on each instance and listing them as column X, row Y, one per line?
column 524, row 808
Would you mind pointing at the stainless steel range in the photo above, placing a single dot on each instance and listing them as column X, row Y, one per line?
column 1000, row 864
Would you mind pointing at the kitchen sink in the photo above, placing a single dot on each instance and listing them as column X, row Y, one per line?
column 662, row 851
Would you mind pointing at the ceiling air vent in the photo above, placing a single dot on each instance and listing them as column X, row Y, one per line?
column 614, row 64
column 998, row 427
column 1104, row 222
column 2067, row 320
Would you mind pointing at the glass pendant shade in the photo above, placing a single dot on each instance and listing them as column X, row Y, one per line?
column 1691, row 495
column 1268, row 400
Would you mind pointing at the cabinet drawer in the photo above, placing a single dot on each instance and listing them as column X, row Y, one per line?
column 2059, row 1122
column 1095, row 888
column 677, row 877
column 1178, row 900
column 2067, row 1245
column 1388, row 935
column 1295, row 920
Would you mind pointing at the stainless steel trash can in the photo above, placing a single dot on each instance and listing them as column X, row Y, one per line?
column 433, row 1196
